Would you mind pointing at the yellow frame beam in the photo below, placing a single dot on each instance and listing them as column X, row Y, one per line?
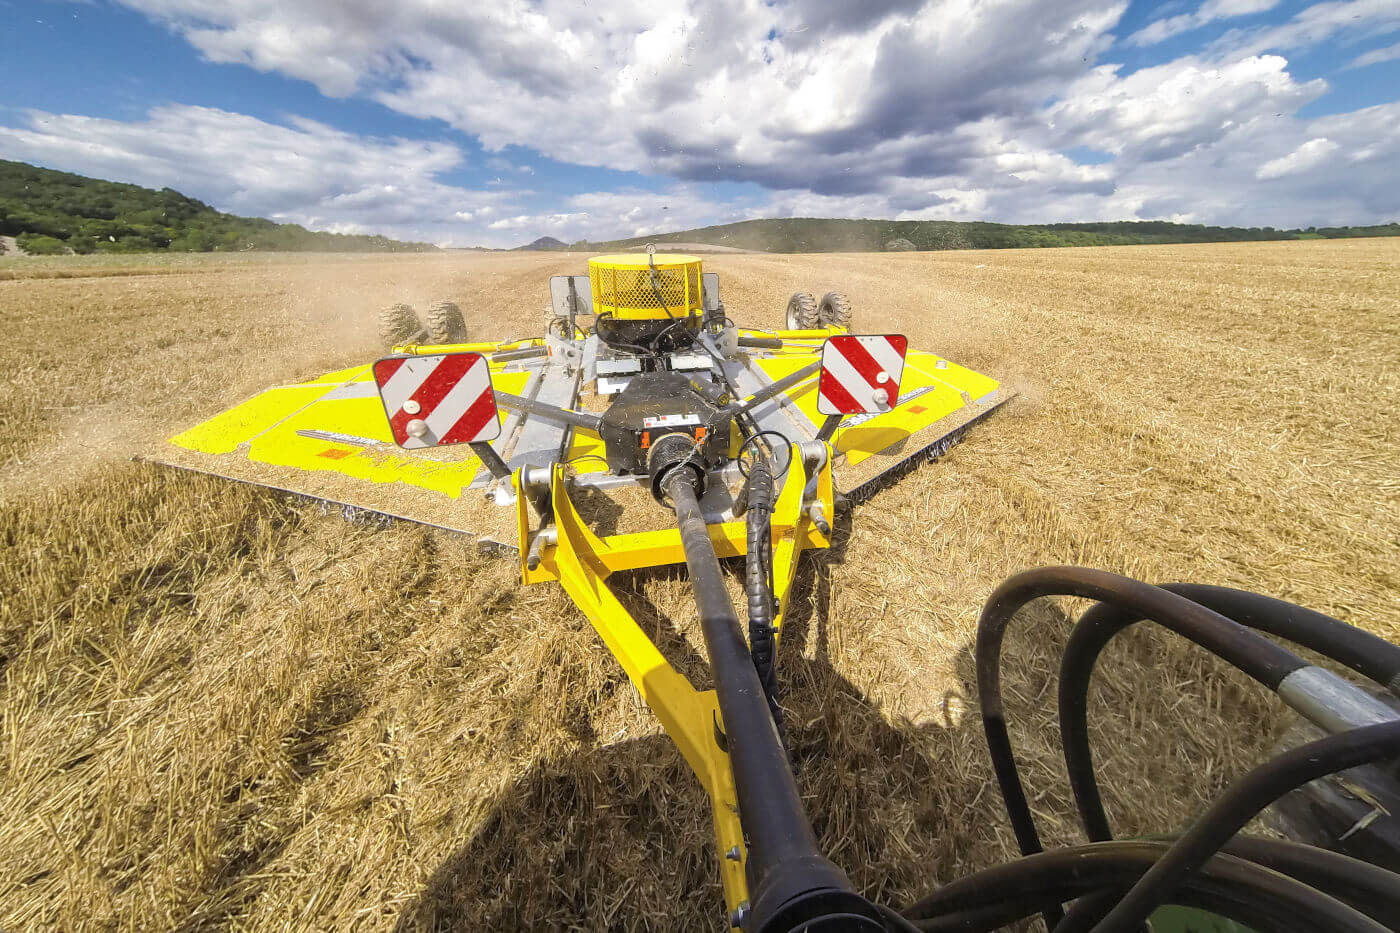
column 581, row 562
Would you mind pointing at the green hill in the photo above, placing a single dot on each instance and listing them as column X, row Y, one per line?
column 51, row 212
column 815, row 235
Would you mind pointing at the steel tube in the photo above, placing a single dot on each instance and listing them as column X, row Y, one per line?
column 549, row 412
column 775, row 388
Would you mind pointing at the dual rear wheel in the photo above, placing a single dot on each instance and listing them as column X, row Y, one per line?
column 443, row 323
column 805, row 313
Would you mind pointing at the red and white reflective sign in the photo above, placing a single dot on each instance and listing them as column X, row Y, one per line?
column 441, row 399
column 861, row 373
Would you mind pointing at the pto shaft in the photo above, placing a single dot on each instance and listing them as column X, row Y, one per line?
column 792, row 885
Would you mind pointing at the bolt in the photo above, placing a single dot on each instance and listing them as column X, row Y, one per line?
column 417, row 427
column 414, row 408
column 740, row 914
column 732, row 854
column 881, row 397
column 882, row 377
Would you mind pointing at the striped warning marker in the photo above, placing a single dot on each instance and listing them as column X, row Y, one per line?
column 861, row 374
column 441, row 399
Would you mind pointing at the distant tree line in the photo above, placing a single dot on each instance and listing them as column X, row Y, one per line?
column 51, row 212
column 812, row 235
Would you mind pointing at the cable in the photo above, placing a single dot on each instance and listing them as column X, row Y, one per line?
column 758, row 583
column 1240, row 803
column 1260, row 658
column 1361, row 651
column 1224, row 884
column 599, row 319
column 581, row 457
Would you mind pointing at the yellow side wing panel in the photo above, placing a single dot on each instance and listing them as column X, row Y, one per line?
column 932, row 389
column 336, row 424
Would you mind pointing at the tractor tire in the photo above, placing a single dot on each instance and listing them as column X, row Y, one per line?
column 802, row 312
column 398, row 324
column 835, row 311
column 446, row 324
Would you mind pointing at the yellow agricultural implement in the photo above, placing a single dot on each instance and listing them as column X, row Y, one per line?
column 645, row 428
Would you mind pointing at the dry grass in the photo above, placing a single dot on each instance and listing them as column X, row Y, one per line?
column 221, row 708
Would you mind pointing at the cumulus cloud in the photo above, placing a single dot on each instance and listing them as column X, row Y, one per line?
column 941, row 109
column 820, row 95
column 1208, row 12
column 1307, row 156
column 1163, row 111
column 301, row 172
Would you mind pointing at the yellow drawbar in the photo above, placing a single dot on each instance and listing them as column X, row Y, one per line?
column 627, row 285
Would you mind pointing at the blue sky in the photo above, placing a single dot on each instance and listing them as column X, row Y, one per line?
column 606, row 118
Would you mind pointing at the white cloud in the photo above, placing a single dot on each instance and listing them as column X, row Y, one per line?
column 841, row 97
column 1163, row 111
column 1376, row 56
column 303, row 172
column 944, row 109
column 1208, row 12
column 1307, row 156
column 1320, row 22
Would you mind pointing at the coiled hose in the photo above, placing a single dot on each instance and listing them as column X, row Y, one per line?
column 758, row 581
column 1115, row 886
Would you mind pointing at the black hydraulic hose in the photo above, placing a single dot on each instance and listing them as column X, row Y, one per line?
column 1006, row 893
column 1240, row 803
column 784, row 861
column 1369, row 888
column 758, row 582
column 1368, row 655
column 1257, row 656
column 1361, row 651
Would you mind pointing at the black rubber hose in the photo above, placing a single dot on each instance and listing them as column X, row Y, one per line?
column 1226, row 884
column 1368, row 655
column 1233, row 905
column 1240, row 803
column 1361, row 651
column 1373, row 890
column 1368, row 888
column 758, row 582
column 1260, row 658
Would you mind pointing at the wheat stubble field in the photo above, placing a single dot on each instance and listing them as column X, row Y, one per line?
column 221, row 708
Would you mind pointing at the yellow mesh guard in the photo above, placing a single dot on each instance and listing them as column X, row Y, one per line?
column 622, row 286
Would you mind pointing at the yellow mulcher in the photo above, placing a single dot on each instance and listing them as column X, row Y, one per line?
column 644, row 428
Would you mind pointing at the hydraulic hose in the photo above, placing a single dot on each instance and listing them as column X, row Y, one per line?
column 1260, row 658
column 758, row 582
column 1358, row 650
column 1225, row 884
column 1373, row 890
column 1368, row 888
column 1240, row 803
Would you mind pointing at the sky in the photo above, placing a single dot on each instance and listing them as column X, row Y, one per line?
column 465, row 123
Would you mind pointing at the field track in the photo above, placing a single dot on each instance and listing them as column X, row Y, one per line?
column 223, row 708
